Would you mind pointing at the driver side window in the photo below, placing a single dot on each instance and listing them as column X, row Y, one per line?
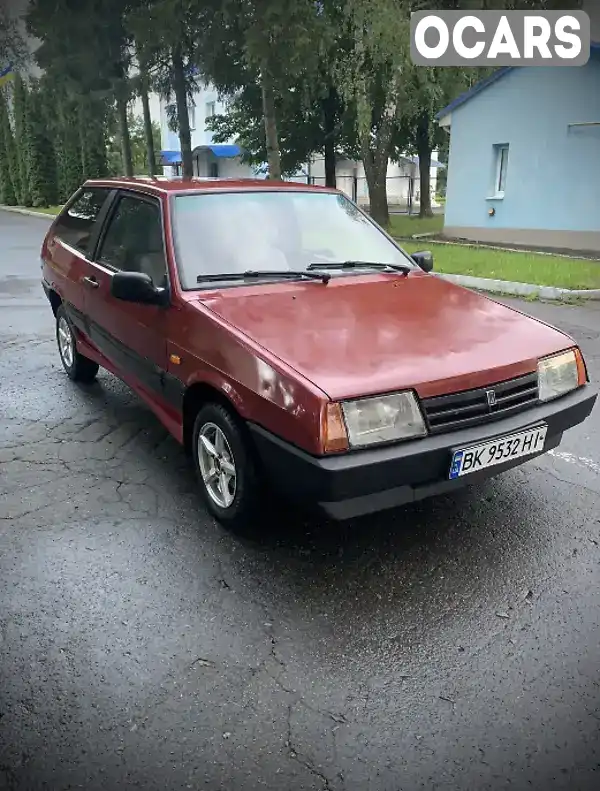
column 133, row 241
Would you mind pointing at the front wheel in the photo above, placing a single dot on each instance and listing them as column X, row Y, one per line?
column 78, row 367
column 225, row 467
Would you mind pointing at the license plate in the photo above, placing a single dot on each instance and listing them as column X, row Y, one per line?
column 497, row 451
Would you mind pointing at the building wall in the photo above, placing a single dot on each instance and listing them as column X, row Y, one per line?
column 200, row 135
column 553, row 173
column 228, row 167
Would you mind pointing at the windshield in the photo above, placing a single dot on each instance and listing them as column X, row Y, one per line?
column 274, row 230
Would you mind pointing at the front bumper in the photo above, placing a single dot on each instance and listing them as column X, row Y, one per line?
column 366, row 481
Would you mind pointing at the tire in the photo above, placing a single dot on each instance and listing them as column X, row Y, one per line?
column 238, row 511
column 78, row 367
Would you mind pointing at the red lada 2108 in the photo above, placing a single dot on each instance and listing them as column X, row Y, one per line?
column 283, row 337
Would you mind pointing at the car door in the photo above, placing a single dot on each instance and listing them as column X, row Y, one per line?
column 131, row 335
column 69, row 248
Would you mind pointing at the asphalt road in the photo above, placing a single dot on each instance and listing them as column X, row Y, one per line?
column 450, row 645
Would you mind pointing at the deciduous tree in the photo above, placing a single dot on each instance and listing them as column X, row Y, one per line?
column 305, row 127
column 166, row 34
column 270, row 44
column 139, row 147
column 370, row 73
column 417, row 131
column 86, row 48
column 142, row 86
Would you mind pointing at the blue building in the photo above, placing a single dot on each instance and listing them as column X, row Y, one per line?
column 524, row 164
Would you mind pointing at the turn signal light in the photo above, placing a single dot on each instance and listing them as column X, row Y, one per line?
column 333, row 429
column 582, row 375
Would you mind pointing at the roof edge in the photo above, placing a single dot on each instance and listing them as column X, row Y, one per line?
column 474, row 90
column 485, row 83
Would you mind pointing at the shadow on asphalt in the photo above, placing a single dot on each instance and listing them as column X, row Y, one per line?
column 470, row 530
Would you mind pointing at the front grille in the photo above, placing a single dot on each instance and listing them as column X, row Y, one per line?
column 473, row 407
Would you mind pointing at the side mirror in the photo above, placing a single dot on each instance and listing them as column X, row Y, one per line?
column 424, row 260
column 137, row 287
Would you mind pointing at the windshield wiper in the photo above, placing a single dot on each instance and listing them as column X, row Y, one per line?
column 404, row 269
column 285, row 274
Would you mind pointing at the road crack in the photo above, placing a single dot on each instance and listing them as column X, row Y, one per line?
column 295, row 754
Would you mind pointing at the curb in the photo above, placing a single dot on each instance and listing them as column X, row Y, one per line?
column 28, row 212
column 520, row 289
column 482, row 246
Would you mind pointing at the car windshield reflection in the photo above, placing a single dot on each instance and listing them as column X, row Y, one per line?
column 274, row 230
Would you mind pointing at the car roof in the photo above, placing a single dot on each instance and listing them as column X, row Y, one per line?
column 163, row 185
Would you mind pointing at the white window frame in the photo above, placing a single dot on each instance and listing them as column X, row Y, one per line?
column 500, row 150
column 192, row 115
column 211, row 108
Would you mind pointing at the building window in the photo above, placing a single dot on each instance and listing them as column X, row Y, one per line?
column 210, row 109
column 192, row 116
column 214, row 170
column 501, row 152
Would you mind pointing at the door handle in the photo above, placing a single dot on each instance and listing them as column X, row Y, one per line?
column 90, row 281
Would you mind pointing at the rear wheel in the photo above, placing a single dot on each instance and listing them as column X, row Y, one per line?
column 225, row 466
column 78, row 367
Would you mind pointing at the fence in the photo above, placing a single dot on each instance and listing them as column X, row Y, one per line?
column 402, row 191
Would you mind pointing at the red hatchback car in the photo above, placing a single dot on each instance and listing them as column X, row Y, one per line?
column 281, row 335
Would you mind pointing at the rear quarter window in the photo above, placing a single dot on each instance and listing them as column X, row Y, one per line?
column 76, row 224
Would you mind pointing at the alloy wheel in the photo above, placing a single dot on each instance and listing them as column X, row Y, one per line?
column 65, row 342
column 217, row 465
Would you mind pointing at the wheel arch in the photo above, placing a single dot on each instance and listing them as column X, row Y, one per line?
column 198, row 395
column 55, row 300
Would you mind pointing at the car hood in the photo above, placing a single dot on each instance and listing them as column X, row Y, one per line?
column 366, row 335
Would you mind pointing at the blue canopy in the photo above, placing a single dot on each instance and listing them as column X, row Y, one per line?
column 170, row 157
column 221, row 150
column 225, row 150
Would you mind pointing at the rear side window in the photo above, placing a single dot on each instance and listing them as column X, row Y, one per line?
column 134, row 241
column 76, row 224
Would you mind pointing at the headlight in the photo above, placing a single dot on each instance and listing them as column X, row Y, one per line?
column 560, row 374
column 371, row 421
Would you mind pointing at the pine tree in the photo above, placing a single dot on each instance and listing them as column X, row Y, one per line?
column 42, row 161
column 20, row 110
column 68, row 150
column 92, row 119
column 51, row 98
column 4, row 174
column 7, row 190
column 11, row 146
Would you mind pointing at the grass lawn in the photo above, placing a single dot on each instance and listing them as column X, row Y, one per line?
column 404, row 225
column 50, row 210
column 541, row 270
